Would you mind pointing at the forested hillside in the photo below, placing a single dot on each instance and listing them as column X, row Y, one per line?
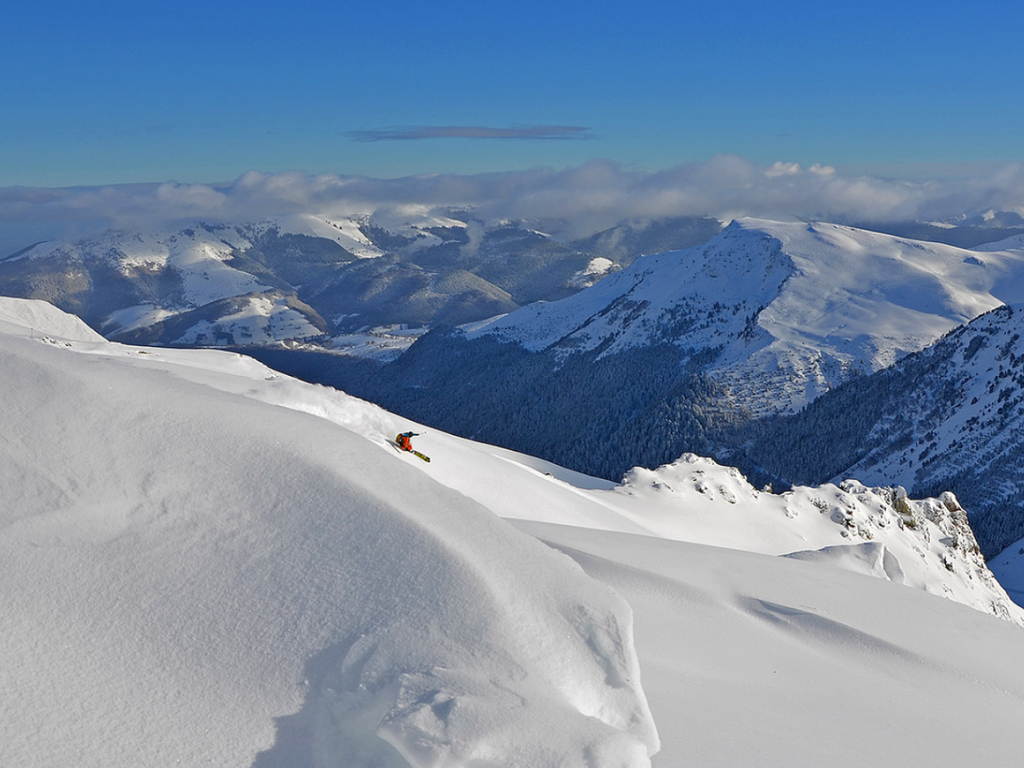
column 948, row 418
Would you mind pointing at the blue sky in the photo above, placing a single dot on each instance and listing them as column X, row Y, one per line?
column 114, row 92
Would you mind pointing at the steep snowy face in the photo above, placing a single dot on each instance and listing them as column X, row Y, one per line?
column 1008, row 567
column 969, row 401
column 950, row 417
column 790, row 309
column 186, row 568
column 698, row 298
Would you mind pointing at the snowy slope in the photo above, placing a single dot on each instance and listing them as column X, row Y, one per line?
column 949, row 417
column 1012, row 243
column 232, row 582
column 184, row 568
column 762, row 661
column 344, row 230
column 17, row 317
column 970, row 387
column 926, row 543
column 796, row 308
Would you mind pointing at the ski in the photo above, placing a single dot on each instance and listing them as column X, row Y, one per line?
column 414, row 452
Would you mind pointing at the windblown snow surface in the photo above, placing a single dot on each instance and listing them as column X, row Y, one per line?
column 204, row 562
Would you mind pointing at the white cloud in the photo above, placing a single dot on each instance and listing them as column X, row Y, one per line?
column 592, row 196
column 783, row 169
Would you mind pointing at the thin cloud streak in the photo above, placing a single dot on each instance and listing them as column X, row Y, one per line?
column 571, row 202
column 544, row 132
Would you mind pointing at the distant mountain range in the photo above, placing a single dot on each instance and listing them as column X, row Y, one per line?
column 313, row 278
column 787, row 311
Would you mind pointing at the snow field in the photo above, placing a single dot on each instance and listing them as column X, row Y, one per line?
column 195, row 574
column 750, row 660
column 923, row 544
column 187, row 558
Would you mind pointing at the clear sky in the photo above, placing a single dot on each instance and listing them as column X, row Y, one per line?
column 110, row 91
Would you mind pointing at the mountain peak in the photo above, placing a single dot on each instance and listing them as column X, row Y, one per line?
column 790, row 309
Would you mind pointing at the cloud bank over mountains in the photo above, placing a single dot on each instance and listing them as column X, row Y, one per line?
column 583, row 199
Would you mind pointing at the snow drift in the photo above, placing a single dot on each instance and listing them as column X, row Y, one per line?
column 184, row 568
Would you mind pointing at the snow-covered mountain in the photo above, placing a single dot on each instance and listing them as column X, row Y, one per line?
column 789, row 310
column 949, row 417
column 207, row 562
column 200, row 284
column 313, row 277
column 682, row 351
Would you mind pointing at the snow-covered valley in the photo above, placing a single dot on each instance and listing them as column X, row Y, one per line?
column 208, row 562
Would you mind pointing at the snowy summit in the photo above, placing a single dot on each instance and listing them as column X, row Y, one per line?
column 788, row 309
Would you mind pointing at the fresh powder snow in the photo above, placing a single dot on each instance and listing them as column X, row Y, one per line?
column 184, row 568
column 205, row 561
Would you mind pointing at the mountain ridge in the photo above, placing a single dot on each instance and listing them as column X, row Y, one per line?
column 813, row 302
column 337, row 275
column 950, row 417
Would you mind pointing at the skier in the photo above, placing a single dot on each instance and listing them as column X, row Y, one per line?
column 404, row 443
column 404, row 440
